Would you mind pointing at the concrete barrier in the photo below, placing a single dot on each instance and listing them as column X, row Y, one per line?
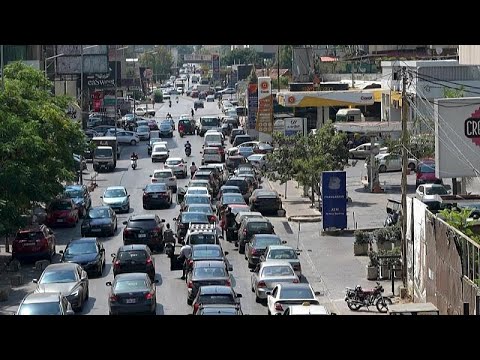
column 40, row 265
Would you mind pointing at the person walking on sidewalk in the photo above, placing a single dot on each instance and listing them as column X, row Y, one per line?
column 193, row 170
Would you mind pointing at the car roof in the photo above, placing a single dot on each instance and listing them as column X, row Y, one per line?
column 175, row 158
column 84, row 240
column 209, row 263
column 103, row 207
column 203, row 172
column 288, row 286
column 162, row 170
column 271, row 236
column 32, row 228
column 61, row 266
column 308, row 309
column 256, row 219
column 203, row 188
column 142, row 217
column 275, row 263
column 115, row 188
column 131, row 276
column 224, row 187
column 216, row 289
column 46, row 297
column 280, row 247
column 132, row 247
column 74, row 187
column 206, row 246
column 264, row 192
column 432, row 185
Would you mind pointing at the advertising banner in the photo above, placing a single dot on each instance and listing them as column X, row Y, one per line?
column 265, row 105
column 252, row 105
column 334, row 200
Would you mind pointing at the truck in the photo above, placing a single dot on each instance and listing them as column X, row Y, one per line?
column 106, row 153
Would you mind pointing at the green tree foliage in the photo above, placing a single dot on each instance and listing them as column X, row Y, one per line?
column 458, row 219
column 160, row 61
column 419, row 146
column 38, row 141
column 304, row 158
column 454, row 93
column 241, row 56
column 286, row 53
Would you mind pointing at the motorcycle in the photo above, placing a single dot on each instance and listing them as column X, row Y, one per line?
column 188, row 151
column 133, row 163
column 181, row 132
column 357, row 298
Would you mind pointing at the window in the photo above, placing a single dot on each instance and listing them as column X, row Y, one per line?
column 135, row 255
column 130, row 285
column 143, row 223
column 58, row 276
column 50, row 308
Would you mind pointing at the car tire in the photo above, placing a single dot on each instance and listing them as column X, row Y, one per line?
column 174, row 189
column 128, row 209
column 116, row 225
column 250, row 265
column 133, row 142
column 257, row 299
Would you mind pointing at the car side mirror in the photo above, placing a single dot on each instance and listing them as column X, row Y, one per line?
column 70, row 312
column 298, row 252
column 128, row 195
column 150, row 175
column 35, row 281
column 108, row 283
column 156, row 281
column 101, row 197
column 284, row 241
column 60, row 252
column 317, row 293
column 230, row 268
column 226, row 253
column 163, row 220
column 239, row 295
column 174, row 219
column 125, row 223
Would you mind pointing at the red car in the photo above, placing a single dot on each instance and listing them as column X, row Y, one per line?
column 426, row 173
column 62, row 212
column 152, row 124
column 194, row 94
column 34, row 242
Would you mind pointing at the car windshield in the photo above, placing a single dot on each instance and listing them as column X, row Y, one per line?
column 233, row 199
column 216, row 299
column 165, row 126
column 436, row 190
column 160, row 148
column 162, row 175
column 277, row 271
column 156, row 188
column 154, row 140
column 241, row 184
column 98, row 214
column 207, row 253
column 304, row 293
column 188, row 217
column 130, row 285
column 282, row 254
column 264, row 242
column 258, row 226
column 210, row 122
column 197, row 200
column 58, row 276
column 143, row 129
column 44, row 308
column 80, row 248
column 430, row 168
column 61, row 205
column 209, row 272
column 231, row 191
column 142, row 224
column 115, row 193
column 213, row 138
column 29, row 235
column 212, row 151
column 173, row 162
column 219, row 311
column 136, row 255
column 202, row 209
column 198, row 239
column 73, row 193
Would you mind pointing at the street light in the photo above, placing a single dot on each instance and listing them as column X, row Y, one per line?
column 50, row 58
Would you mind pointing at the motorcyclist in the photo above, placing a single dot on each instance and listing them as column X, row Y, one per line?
column 181, row 128
column 169, row 116
column 185, row 254
column 188, row 148
column 169, row 237
column 193, row 170
column 187, row 144
column 134, row 156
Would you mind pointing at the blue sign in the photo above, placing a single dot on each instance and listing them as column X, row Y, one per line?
column 334, row 200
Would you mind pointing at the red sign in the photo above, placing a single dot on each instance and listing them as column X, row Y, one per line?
column 291, row 99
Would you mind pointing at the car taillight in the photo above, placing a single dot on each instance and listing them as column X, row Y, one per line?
column 149, row 296
column 295, row 281
column 149, row 261
column 228, row 283
column 190, row 284
column 113, row 298
column 126, row 232
column 261, row 284
column 116, row 264
column 278, row 307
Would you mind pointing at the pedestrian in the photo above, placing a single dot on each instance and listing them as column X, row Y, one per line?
column 185, row 254
column 193, row 169
column 193, row 112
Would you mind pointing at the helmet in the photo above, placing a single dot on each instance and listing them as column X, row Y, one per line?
column 358, row 288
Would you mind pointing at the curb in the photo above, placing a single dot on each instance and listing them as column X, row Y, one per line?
column 305, row 219
column 347, row 231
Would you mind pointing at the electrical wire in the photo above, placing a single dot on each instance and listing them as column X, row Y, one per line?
column 448, row 81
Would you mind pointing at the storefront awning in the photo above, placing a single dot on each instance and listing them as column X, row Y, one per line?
column 328, row 98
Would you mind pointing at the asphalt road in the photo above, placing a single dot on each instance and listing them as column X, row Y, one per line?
column 171, row 290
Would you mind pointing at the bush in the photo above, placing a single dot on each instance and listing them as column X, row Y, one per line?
column 158, row 96
column 373, row 256
column 362, row 237
column 380, row 235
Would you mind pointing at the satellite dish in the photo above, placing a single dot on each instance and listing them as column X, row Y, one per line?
column 438, row 50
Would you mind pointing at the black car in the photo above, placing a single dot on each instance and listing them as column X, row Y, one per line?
column 250, row 227
column 206, row 273
column 198, row 104
column 157, row 194
column 144, row 229
column 242, row 184
column 256, row 248
column 132, row 293
column 80, row 196
column 185, row 219
column 216, row 295
column 219, row 309
column 86, row 252
column 189, row 126
column 134, row 259
column 235, row 132
column 265, row 201
column 240, row 139
column 209, row 252
column 100, row 220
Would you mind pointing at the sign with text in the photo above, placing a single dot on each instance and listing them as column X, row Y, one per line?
column 197, row 58
column 265, row 105
column 294, row 125
column 334, row 200
column 252, row 105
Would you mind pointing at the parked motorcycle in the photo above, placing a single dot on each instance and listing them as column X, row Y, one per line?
column 391, row 219
column 358, row 297
column 133, row 163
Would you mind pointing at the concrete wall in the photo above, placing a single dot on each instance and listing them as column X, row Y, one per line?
column 359, row 76
column 469, row 54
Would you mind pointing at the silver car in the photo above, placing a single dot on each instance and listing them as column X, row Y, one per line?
column 117, row 198
column 178, row 166
column 50, row 303
column 283, row 252
column 258, row 160
column 363, row 151
column 143, row 132
column 393, row 162
column 69, row 279
column 124, row 137
column 268, row 274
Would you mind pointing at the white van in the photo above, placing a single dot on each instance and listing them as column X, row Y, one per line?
column 349, row 115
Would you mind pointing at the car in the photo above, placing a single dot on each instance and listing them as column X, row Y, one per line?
column 170, row 121
column 159, row 152
column 247, row 148
column 139, row 121
column 144, row 229
column 212, row 154
column 240, row 139
column 231, row 198
column 210, row 176
column 363, row 151
column 100, row 220
column 201, row 183
column 186, row 219
column 235, row 132
column 251, row 178
column 219, row 309
column 69, row 279
column 228, row 90
column 428, row 192
column 194, row 93
column 233, row 161
column 307, row 309
column 202, row 95
column 206, row 273
column 265, row 201
column 86, row 252
column 157, row 194
column 132, row 293
column 259, row 161
column 142, row 111
column 198, row 104
column 62, row 212
column 266, row 275
column 241, row 183
column 203, row 208
column 256, row 248
column 51, row 303
column 195, row 199
column 250, row 227
column 283, row 252
column 202, row 234
column 210, row 98
column 143, row 132
column 124, row 137
column 34, row 242
column 152, row 124
column 93, row 122
column 202, row 252
column 237, row 208
column 178, row 166
column 101, row 130
column 284, row 295
column 166, row 129
column 426, row 173
column 134, row 259
column 219, row 169
column 263, row 148
column 228, row 189
column 241, row 213
column 210, row 122
column 189, row 125
column 117, row 198
column 165, row 176
column 216, row 294
column 197, row 191
column 392, row 162
column 80, row 196
column 151, row 142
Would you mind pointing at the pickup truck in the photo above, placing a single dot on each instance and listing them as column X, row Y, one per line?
column 142, row 111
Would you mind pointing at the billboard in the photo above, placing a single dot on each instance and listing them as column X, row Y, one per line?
column 216, row 66
column 197, row 58
column 295, row 125
column 252, row 105
column 95, row 59
column 457, row 137
column 334, row 200
column 108, row 80
column 265, row 105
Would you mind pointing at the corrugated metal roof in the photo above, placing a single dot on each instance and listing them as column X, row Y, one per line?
column 450, row 73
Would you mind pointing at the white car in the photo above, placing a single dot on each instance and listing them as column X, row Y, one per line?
column 210, row 98
column 185, row 116
column 258, row 160
column 307, row 309
column 165, row 176
column 159, row 152
column 392, row 162
column 197, row 191
column 284, row 295
column 211, row 154
column 178, row 166
column 428, row 192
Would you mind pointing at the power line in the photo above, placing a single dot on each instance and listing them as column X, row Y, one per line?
column 447, row 81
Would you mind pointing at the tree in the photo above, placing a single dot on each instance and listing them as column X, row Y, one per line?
column 160, row 61
column 38, row 143
column 454, row 93
column 286, row 53
column 241, row 56
column 304, row 158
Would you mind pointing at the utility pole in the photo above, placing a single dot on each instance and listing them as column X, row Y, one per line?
column 404, row 175
column 353, row 74
column 278, row 68
column 1, row 66
column 83, row 103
